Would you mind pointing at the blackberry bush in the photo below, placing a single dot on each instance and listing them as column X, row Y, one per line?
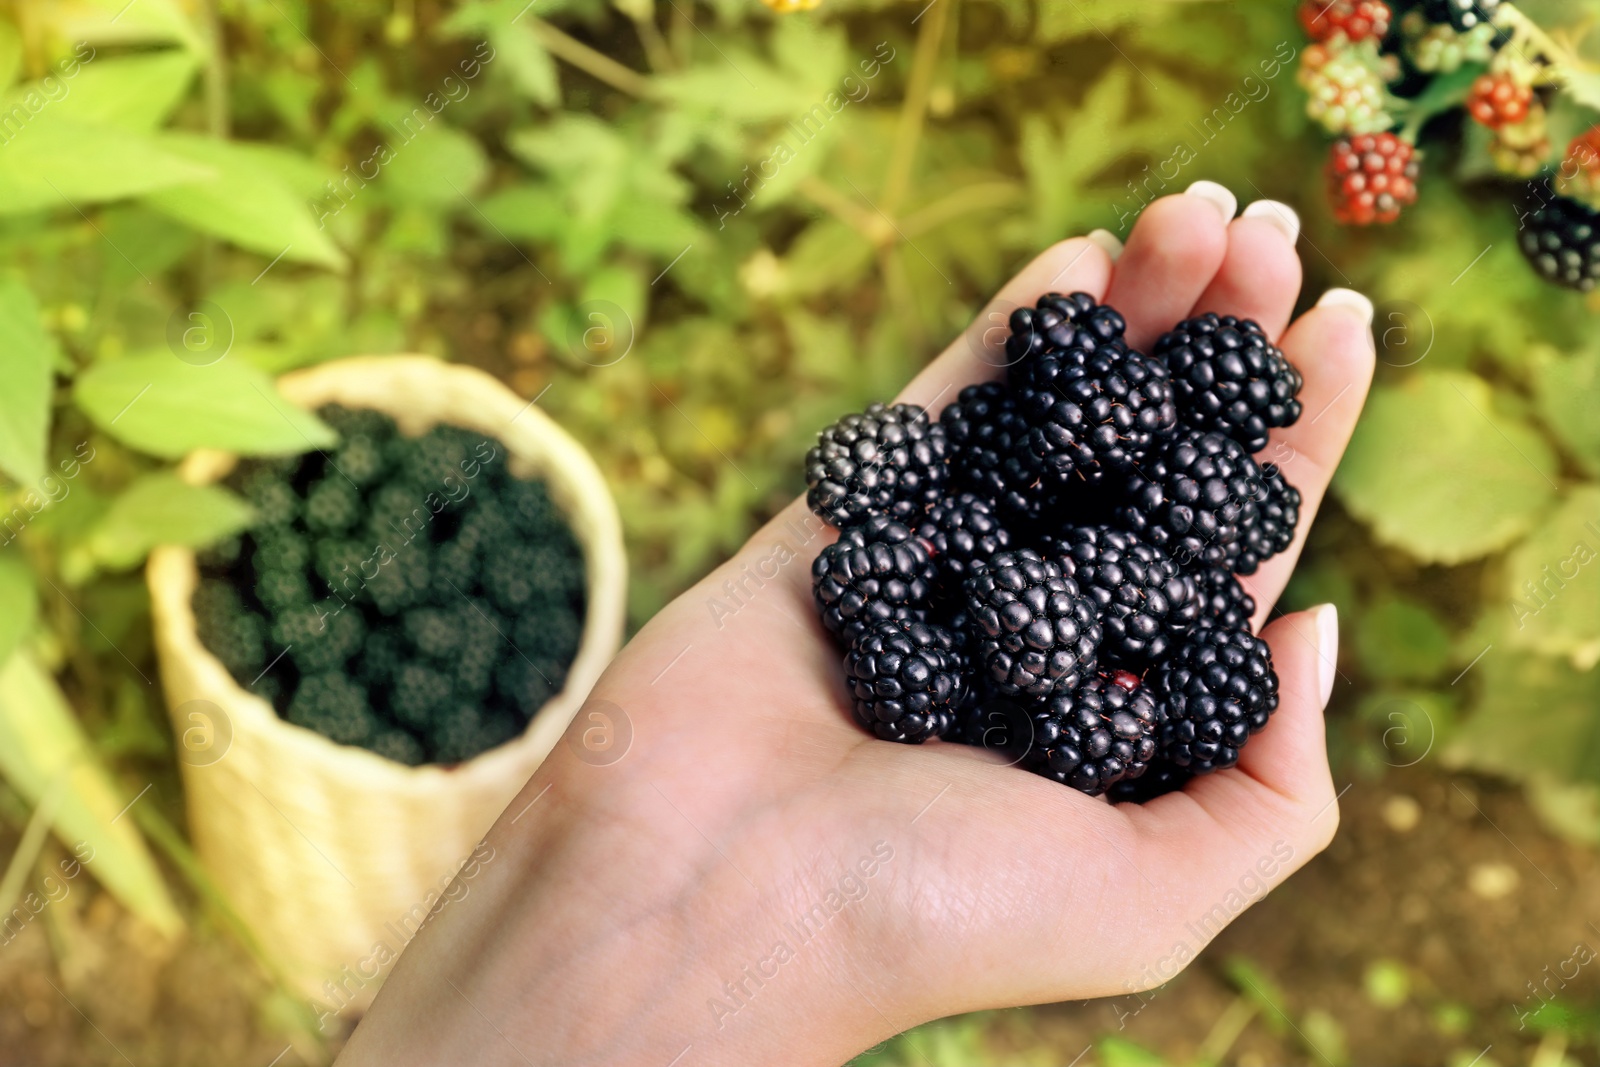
column 380, row 605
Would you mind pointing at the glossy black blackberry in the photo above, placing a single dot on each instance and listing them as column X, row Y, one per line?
column 1218, row 688
column 1194, row 496
column 1224, row 605
column 877, row 571
column 1227, row 377
column 1059, row 321
column 1034, row 631
column 958, row 530
column 1096, row 735
column 1460, row 15
column 906, row 680
column 1277, row 513
column 886, row 461
column 1159, row 779
column 1561, row 239
column 1090, row 412
column 1144, row 601
column 988, row 446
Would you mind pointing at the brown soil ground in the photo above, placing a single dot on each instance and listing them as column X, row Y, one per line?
column 1441, row 907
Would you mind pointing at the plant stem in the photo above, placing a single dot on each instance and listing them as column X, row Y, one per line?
column 655, row 45
column 864, row 221
column 597, row 65
column 974, row 197
column 914, row 110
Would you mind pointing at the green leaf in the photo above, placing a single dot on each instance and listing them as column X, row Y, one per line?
column 440, row 166
column 40, row 744
column 1584, row 87
column 1553, row 582
column 134, row 93
column 245, row 204
column 161, row 405
column 27, row 354
column 19, row 602
column 55, row 163
column 1515, row 690
column 162, row 509
column 1568, row 389
column 516, row 47
column 1401, row 640
column 1117, row 1051
column 1436, row 470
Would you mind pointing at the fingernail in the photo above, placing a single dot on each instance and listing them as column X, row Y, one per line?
column 1327, row 620
column 1279, row 214
column 1347, row 298
column 1108, row 241
column 1215, row 194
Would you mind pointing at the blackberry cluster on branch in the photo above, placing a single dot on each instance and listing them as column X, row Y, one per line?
column 1056, row 578
column 1561, row 239
column 404, row 594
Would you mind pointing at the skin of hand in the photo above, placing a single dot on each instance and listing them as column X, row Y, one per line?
column 756, row 880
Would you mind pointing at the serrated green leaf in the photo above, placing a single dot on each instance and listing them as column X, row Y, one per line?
column 1553, row 582
column 1436, row 470
column 162, row 509
column 27, row 355
column 1400, row 640
column 19, row 602
column 166, row 407
column 530, row 65
column 134, row 93
column 52, row 164
column 40, row 743
column 1568, row 389
column 244, row 204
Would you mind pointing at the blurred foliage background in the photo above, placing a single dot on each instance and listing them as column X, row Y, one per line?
column 694, row 234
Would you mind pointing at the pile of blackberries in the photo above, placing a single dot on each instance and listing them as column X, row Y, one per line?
column 1049, row 568
column 405, row 594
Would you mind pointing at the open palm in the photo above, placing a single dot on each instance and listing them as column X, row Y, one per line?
column 756, row 880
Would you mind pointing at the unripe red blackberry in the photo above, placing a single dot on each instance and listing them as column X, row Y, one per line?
column 1358, row 20
column 1371, row 178
column 885, row 461
column 1497, row 100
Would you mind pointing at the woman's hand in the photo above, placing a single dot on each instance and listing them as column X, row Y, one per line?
column 756, row 880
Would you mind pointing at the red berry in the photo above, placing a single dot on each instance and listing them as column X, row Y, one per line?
column 1582, row 161
column 1126, row 680
column 1356, row 19
column 1371, row 177
column 1497, row 100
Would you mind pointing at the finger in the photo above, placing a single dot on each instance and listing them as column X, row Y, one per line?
column 1171, row 256
column 1260, row 274
column 1072, row 266
column 1332, row 346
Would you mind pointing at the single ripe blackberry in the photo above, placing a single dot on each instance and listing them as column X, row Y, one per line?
column 1096, row 735
column 1195, row 496
column 1227, row 377
column 1224, row 605
column 1159, row 779
column 1143, row 600
column 958, row 530
column 1277, row 513
column 1093, row 411
column 1056, row 322
column 1219, row 688
column 272, row 497
column 906, row 680
column 988, row 445
column 333, row 706
column 1460, row 15
column 418, row 694
column 1034, row 631
column 887, row 461
column 332, row 504
column 875, row 572
column 1561, row 239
